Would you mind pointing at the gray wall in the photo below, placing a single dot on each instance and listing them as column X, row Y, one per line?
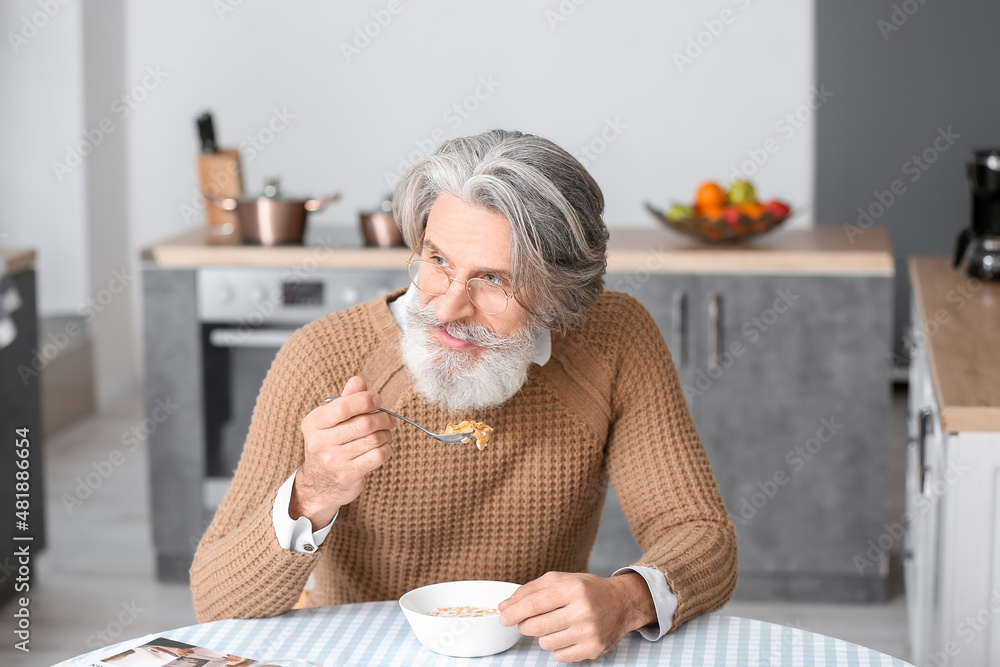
column 893, row 90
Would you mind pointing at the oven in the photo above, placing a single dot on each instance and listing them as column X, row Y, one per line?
column 244, row 315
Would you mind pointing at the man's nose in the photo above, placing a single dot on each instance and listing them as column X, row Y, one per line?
column 454, row 304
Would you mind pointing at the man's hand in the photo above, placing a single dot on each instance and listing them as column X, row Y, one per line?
column 345, row 440
column 579, row 616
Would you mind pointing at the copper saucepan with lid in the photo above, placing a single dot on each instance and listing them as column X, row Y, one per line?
column 378, row 227
column 272, row 219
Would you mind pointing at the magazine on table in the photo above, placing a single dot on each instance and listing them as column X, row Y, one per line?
column 153, row 651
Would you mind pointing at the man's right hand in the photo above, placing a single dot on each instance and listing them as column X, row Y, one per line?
column 345, row 440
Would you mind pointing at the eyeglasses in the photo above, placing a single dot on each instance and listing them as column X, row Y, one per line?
column 432, row 279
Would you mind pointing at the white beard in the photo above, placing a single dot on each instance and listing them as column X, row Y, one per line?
column 458, row 379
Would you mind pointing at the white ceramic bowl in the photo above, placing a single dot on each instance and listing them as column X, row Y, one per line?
column 460, row 637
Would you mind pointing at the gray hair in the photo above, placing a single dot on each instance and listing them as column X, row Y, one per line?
column 559, row 240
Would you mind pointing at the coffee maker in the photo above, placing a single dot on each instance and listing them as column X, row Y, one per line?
column 979, row 245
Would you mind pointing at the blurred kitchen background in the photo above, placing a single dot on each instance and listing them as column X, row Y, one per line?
column 825, row 105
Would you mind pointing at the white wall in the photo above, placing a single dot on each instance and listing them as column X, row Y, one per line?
column 355, row 121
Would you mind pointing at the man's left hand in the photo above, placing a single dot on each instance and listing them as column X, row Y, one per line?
column 579, row 616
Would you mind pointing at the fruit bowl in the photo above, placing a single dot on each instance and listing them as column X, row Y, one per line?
column 721, row 229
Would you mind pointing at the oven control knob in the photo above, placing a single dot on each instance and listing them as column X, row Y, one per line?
column 225, row 294
column 351, row 295
column 257, row 293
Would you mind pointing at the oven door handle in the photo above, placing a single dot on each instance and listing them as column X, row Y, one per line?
column 249, row 337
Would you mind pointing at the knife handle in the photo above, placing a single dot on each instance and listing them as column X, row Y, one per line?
column 206, row 132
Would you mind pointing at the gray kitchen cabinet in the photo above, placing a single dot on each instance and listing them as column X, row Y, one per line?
column 786, row 377
column 20, row 421
column 177, row 454
column 791, row 399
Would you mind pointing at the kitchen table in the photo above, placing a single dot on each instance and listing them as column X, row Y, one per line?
column 376, row 633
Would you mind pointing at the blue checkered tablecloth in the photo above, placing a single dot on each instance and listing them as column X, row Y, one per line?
column 376, row 633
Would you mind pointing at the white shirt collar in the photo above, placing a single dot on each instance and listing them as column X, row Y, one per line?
column 543, row 342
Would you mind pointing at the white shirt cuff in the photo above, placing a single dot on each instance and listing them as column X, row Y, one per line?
column 664, row 601
column 295, row 534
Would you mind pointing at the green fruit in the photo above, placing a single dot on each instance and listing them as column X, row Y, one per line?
column 742, row 192
column 680, row 212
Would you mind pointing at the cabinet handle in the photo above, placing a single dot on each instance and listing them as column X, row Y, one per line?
column 224, row 337
column 680, row 327
column 715, row 330
column 906, row 539
column 922, row 430
column 909, row 346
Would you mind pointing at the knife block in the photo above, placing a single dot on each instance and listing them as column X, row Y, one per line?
column 220, row 175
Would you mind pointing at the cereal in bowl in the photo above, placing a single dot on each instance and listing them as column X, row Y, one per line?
column 463, row 612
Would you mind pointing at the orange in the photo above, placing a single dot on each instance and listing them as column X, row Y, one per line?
column 710, row 197
column 752, row 209
column 710, row 212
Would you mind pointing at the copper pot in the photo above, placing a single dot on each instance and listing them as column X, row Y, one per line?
column 272, row 219
column 379, row 228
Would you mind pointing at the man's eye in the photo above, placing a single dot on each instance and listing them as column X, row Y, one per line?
column 496, row 280
column 437, row 259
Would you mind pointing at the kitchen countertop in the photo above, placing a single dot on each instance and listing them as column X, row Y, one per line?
column 960, row 316
column 808, row 251
column 18, row 259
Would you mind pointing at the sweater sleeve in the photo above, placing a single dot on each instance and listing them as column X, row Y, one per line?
column 662, row 476
column 239, row 569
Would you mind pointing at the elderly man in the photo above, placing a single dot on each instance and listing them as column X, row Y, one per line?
column 505, row 322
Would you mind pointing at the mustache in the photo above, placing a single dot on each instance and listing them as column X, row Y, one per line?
column 472, row 332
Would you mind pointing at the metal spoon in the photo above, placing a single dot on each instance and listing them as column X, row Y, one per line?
column 450, row 438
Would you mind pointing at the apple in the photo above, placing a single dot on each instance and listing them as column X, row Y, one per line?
column 778, row 209
column 732, row 216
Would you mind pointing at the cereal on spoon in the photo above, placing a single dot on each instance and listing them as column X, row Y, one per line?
column 478, row 430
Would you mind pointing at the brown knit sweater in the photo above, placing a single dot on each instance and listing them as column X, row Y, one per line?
column 607, row 405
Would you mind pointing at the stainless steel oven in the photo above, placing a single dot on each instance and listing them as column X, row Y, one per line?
column 245, row 314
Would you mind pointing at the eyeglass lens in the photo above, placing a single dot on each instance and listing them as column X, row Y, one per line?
column 485, row 295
